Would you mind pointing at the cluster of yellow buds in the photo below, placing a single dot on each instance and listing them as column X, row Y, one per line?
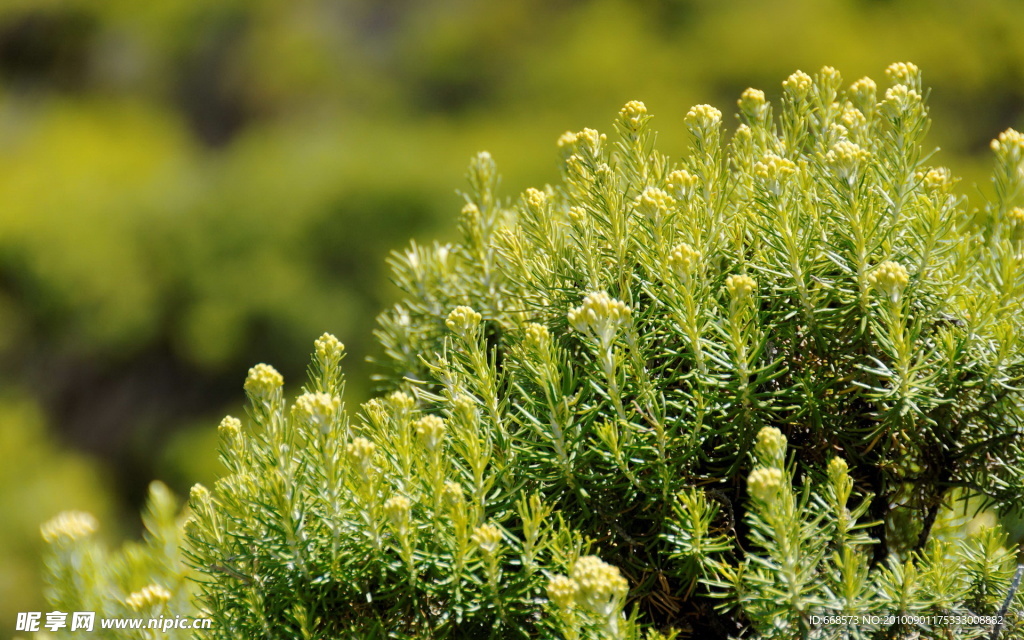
column 683, row 259
column 463, row 321
column 536, row 336
column 905, row 73
column 773, row 169
column 328, row 348
column 702, row 120
column 601, row 586
column 1010, row 145
column 864, row 92
column 839, row 476
column 771, row 446
column 600, row 315
column 148, row 596
column 68, row 526
column 900, row 99
column 1015, row 216
column 853, row 118
column 830, row 79
column 398, row 510
column 682, row 184
column 634, row 115
column 263, row 381
column 654, row 204
column 586, row 143
column 753, row 104
column 316, row 410
column 230, row 428
column 845, row 157
column 890, row 278
column 487, row 537
column 937, row 179
column 535, row 199
column 429, row 432
column 740, row 286
column 798, row 85
column 764, row 483
column 452, row 494
column 562, row 591
column 360, row 451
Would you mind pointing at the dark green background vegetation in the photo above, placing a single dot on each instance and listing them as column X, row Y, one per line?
column 189, row 187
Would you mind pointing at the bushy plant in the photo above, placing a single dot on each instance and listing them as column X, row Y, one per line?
column 736, row 395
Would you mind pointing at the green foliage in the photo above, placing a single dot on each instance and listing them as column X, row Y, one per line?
column 735, row 393
column 146, row 579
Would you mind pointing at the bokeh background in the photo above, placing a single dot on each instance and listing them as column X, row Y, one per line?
column 188, row 187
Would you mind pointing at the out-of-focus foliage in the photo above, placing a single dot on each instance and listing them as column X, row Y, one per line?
column 190, row 186
column 48, row 479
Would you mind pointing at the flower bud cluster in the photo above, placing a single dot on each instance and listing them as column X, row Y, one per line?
column 535, row 199
column 360, row 452
column 429, row 432
column 585, row 144
column 463, row 321
column 601, row 586
column 845, row 158
column 937, row 179
column 890, row 278
column 900, row 99
column 317, row 410
column 740, row 287
column 562, row 591
column 487, row 537
column 797, row 85
column 654, row 204
column 1010, row 146
column 148, row 596
column 600, row 315
column 69, row 526
column 905, row 73
column 764, row 483
column 263, row 381
column 752, row 104
column 683, row 260
column 703, row 121
column 771, row 446
column 328, row 349
column 398, row 510
column 774, row 169
column 864, row 93
column 682, row 184
column 634, row 115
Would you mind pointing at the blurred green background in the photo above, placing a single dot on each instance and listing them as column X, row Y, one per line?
column 188, row 187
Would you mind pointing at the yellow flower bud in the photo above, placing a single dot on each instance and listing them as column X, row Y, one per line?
column 316, row 409
column 263, row 381
column 771, row 445
column 148, row 596
column 463, row 321
column 798, row 85
column 328, row 348
column 487, row 537
column 764, row 484
column 562, row 591
column 68, row 526
column 740, row 286
column 683, row 260
column 633, row 115
column 398, row 511
column 601, row 586
column 890, row 278
column 429, row 431
column 752, row 104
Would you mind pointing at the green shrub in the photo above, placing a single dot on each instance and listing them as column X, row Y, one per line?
column 730, row 396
